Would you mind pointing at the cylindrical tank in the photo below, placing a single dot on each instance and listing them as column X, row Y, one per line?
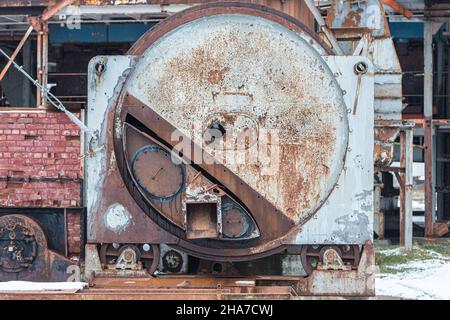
column 205, row 78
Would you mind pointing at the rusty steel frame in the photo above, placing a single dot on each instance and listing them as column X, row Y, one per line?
column 44, row 64
column 404, row 176
column 40, row 25
column 16, row 52
column 428, row 116
column 406, row 185
column 345, row 283
column 50, row 12
column 399, row 8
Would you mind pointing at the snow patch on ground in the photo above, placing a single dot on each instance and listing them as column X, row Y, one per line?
column 40, row 286
column 391, row 252
column 418, row 279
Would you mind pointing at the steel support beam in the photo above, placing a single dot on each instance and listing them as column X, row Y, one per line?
column 38, row 66
column 405, row 180
column 16, row 52
column 48, row 14
column 399, row 8
column 317, row 15
column 428, row 116
column 44, row 76
column 406, row 212
column 378, row 214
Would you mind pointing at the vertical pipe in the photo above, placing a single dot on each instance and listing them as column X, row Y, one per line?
column 408, row 180
column 44, row 62
column 428, row 115
column 402, row 188
column 378, row 214
column 83, row 150
column 38, row 67
column 66, row 226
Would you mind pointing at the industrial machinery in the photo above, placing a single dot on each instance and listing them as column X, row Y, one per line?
column 228, row 134
column 230, row 142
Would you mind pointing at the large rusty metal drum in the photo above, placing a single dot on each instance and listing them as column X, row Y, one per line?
column 201, row 81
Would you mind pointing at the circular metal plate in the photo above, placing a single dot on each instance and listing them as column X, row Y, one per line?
column 253, row 69
column 234, row 221
column 156, row 174
column 238, row 66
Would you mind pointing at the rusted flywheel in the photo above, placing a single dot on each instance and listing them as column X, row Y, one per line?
column 147, row 254
column 312, row 255
column 222, row 81
column 22, row 241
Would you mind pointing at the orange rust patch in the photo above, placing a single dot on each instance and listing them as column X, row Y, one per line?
column 216, row 76
column 353, row 19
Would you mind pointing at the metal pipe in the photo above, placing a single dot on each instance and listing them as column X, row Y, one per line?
column 38, row 67
column 16, row 52
column 378, row 214
column 408, row 186
column 401, row 181
column 323, row 26
column 44, row 63
column 428, row 115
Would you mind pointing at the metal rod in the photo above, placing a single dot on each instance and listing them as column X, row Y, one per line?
column 53, row 99
column 336, row 47
column 44, row 77
column 428, row 132
column 16, row 52
column 38, row 67
column 409, row 181
column 401, row 180
column 103, row 21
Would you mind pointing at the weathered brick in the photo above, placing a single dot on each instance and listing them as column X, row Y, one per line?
column 39, row 145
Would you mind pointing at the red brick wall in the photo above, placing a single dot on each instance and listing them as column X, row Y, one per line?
column 40, row 156
column 73, row 233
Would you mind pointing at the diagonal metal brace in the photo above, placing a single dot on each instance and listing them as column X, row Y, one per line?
column 53, row 99
column 16, row 52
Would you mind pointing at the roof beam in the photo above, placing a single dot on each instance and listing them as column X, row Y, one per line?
column 398, row 7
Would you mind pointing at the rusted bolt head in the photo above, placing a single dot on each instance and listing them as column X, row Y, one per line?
column 360, row 68
column 128, row 255
column 99, row 68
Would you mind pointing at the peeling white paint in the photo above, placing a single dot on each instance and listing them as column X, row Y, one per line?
column 117, row 217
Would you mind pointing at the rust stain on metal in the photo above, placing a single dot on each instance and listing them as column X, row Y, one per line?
column 25, row 253
column 216, row 76
column 384, row 145
column 222, row 77
column 353, row 19
column 202, row 76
